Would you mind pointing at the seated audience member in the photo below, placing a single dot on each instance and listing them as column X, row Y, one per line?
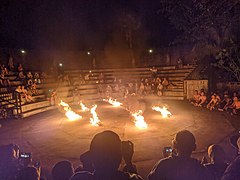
column 66, row 79
column 29, row 75
column 101, row 78
column 4, row 69
column 21, row 77
column 181, row 165
column 148, row 88
column 29, row 173
column 29, row 82
column 101, row 89
column 116, row 88
column 202, row 100
column 19, row 89
column 233, row 170
column 158, row 80
column 26, row 95
column 195, row 98
column 3, row 80
column 108, row 91
column 43, row 77
column 235, row 106
column 87, row 76
column 33, row 88
column 20, row 67
column 141, row 90
column 106, row 152
column 225, row 103
column 217, row 166
column 131, row 88
column 165, row 83
column 160, row 89
column 212, row 103
column 37, row 78
column 63, row 170
column 135, row 86
column 53, row 97
column 179, row 63
column 154, row 71
column 10, row 64
column 146, row 81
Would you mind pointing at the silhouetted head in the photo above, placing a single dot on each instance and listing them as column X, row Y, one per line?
column 184, row 143
column 216, row 154
column 63, row 170
column 29, row 173
column 106, row 153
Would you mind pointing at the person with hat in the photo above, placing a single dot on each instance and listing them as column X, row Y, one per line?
column 106, row 153
column 233, row 170
column 180, row 165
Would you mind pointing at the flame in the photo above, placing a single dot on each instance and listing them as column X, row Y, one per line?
column 84, row 108
column 94, row 120
column 139, row 120
column 72, row 116
column 165, row 113
column 64, row 105
column 113, row 102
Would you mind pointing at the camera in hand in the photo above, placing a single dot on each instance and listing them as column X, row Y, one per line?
column 167, row 151
column 25, row 155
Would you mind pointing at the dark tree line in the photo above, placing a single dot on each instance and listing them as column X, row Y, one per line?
column 212, row 25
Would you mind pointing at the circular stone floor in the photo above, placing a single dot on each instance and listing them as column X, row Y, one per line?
column 51, row 137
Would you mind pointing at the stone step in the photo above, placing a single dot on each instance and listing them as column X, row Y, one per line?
column 173, row 93
column 64, row 88
column 37, row 111
column 132, row 69
column 35, row 105
column 88, row 91
column 172, row 97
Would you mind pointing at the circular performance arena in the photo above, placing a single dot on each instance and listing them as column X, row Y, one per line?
column 52, row 136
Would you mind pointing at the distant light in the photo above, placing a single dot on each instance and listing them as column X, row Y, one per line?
column 23, row 51
column 88, row 53
column 60, row 64
column 150, row 51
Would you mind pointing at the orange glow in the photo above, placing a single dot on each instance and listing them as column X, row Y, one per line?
column 84, row 108
column 113, row 102
column 71, row 115
column 94, row 120
column 139, row 120
column 164, row 111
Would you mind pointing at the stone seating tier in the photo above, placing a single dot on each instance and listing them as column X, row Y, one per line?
column 89, row 91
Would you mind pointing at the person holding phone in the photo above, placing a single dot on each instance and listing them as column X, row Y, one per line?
column 106, row 153
column 180, row 165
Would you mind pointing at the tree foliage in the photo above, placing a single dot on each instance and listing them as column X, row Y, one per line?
column 213, row 25
column 202, row 21
column 229, row 59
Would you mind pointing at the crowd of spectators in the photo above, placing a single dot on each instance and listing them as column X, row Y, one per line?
column 153, row 85
column 29, row 81
column 217, row 101
column 106, row 152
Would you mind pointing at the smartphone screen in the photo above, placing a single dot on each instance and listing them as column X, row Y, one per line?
column 25, row 155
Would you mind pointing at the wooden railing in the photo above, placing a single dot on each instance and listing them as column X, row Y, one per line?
column 10, row 101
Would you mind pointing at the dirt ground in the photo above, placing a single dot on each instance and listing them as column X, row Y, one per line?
column 51, row 137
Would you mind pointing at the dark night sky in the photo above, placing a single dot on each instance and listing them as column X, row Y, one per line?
column 78, row 24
